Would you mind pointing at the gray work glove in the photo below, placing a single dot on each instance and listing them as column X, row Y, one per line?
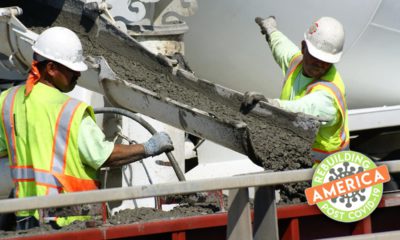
column 250, row 99
column 160, row 142
column 166, row 61
column 268, row 25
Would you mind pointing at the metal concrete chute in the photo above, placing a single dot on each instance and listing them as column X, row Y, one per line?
column 123, row 93
column 16, row 53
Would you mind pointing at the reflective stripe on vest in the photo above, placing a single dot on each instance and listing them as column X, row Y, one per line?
column 339, row 97
column 294, row 63
column 318, row 156
column 30, row 174
column 8, row 122
column 61, row 135
column 60, row 144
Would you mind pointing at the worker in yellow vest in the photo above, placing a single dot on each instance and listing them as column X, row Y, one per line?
column 52, row 141
column 312, row 85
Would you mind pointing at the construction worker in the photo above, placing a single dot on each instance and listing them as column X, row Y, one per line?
column 312, row 85
column 52, row 141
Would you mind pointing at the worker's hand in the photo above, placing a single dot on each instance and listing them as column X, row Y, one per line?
column 157, row 144
column 250, row 99
column 166, row 61
column 268, row 25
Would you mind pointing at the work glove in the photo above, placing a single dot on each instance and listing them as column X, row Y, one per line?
column 160, row 142
column 267, row 25
column 250, row 99
column 166, row 61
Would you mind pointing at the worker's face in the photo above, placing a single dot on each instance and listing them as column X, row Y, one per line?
column 313, row 67
column 61, row 77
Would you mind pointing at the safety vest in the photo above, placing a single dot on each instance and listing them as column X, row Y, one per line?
column 329, row 139
column 41, row 133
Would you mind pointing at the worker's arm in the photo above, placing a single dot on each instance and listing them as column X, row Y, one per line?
column 124, row 154
column 319, row 104
column 97, row 152
column 282, row 48
column 94, row 150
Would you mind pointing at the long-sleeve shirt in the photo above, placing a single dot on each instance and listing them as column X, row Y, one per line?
column 320, row 103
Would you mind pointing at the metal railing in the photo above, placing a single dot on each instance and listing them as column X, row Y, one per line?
column 239, row 222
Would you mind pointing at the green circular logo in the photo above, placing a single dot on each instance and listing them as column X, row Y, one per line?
column 353, row 205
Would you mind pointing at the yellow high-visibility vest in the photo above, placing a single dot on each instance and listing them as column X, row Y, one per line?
column 41, row 133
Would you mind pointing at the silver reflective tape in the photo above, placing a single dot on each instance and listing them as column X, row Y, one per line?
column 318, row 155
column 292, row 67
column 315, row 155
column 62, row 134
column 46, row 178
column 38, row 176
column 22, row 173
column 8, row 124
column 52, row 191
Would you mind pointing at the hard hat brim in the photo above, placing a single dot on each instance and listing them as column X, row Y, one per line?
column 323, row 56
column 78, row 67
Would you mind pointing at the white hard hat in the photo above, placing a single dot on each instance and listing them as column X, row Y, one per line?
column 61, row 45
column 325, row 39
